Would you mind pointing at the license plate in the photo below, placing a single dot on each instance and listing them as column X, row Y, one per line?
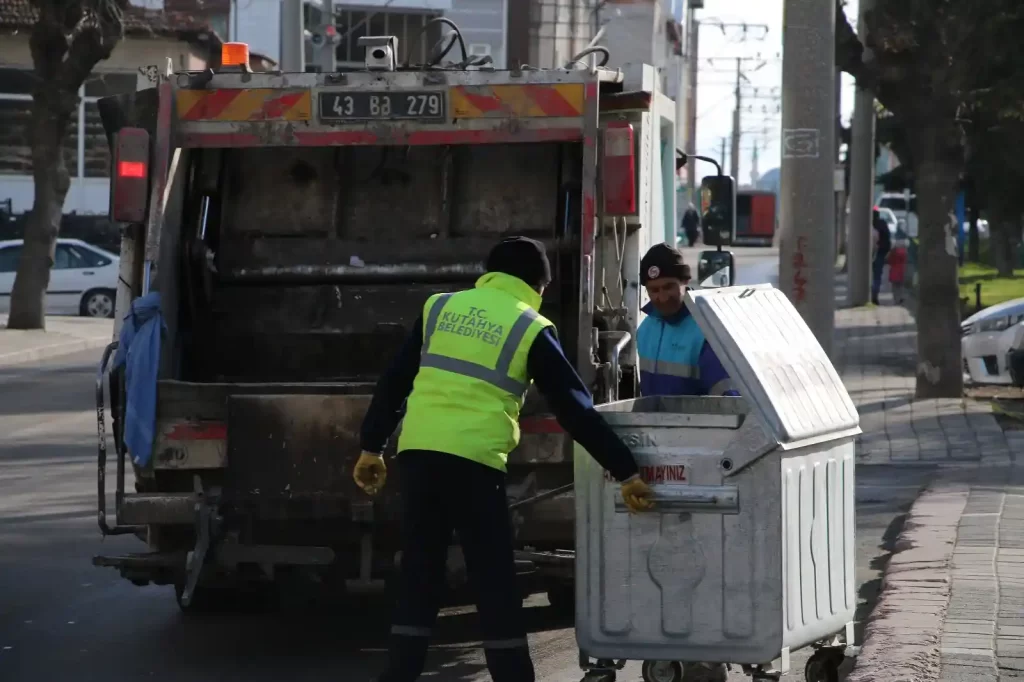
column 420, row 105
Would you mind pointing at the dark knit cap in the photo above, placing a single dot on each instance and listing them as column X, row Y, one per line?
column 521, row 257
column 663, row 260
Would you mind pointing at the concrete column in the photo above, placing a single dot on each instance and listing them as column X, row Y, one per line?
column 807, row 211
column 862, row 188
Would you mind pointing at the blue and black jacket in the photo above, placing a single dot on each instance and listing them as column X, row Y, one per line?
column 675, row 358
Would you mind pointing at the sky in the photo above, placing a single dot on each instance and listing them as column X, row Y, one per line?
column 716, row 80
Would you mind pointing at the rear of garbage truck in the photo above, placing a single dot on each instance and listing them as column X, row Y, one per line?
column 293, row 226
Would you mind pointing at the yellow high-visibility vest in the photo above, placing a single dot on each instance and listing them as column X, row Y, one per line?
column 472, row 380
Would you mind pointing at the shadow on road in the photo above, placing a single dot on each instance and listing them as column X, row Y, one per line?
column 42, row 391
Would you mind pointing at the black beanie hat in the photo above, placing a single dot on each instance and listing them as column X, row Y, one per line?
column 663, row 260
column 521, row 257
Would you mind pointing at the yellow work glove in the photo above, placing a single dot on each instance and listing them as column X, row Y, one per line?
column 636, row 494
column 370, row 472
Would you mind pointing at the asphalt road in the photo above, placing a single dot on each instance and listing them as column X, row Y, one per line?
column 753, row 265
column 61, row 619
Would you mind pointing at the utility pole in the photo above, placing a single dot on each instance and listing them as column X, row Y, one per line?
column 693, row 62
column 292, row 37
column 807, row 216
column 725, row 141
column 734, row 170
column 692, row 51
column 862, row 185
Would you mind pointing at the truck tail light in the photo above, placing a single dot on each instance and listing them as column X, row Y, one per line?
column 130, row 187
column 619, row 169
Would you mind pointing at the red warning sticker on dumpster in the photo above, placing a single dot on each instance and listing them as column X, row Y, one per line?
column 660, row 474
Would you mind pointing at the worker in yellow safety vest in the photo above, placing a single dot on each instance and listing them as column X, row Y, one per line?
column 464, row 369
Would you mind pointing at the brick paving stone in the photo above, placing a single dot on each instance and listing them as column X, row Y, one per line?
column 958, row 565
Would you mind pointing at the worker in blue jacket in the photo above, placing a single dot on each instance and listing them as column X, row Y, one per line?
column 675, row 359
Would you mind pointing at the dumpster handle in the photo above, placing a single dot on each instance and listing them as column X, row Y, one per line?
column 687, row 499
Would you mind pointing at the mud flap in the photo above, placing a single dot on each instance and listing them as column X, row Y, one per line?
column 208, row 525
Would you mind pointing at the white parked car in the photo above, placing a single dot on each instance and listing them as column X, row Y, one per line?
column 83, row 280
column 987, row 338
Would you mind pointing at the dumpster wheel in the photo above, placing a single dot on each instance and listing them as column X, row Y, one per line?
column 823, row 666
column 662, row 671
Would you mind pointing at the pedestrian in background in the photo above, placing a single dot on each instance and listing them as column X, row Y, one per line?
column 897, row 261
column 691, row 224
column 882, row 244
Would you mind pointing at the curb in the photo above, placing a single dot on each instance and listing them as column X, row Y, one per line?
column 901, row 640
column 52, row 350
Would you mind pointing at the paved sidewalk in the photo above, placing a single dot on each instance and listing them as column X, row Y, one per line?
column 952, row 602
column 63, row 335
column 876, row 354
column 952, row 606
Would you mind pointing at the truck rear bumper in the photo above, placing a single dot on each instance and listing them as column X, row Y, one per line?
column 167, row 568
column 143, row 509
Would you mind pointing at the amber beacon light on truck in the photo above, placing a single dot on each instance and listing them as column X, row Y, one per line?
column 234, row 55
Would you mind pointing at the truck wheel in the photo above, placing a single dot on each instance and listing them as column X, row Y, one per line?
column 562, row 597
column 206, row 600
column 202, row 600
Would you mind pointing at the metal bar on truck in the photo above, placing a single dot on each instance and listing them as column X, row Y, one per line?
column 366, row 273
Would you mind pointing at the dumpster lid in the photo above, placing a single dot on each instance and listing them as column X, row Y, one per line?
column 775, row 361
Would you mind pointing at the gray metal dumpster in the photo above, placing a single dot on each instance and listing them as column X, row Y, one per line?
column 749, row 552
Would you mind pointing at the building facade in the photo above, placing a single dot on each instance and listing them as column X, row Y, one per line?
column 151, row 37
column 481, row 22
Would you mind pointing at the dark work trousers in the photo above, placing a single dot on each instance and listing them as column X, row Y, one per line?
column 877, row 268
column 442, row 493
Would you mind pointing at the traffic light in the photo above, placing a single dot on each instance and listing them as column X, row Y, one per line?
column 324, row 39
column 324, row 35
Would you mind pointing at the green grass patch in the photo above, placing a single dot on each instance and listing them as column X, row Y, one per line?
column 994, row 289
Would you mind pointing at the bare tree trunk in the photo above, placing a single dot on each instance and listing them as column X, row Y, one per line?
column 1002, row 243
column 67, row 40
column 51, row 113
column 939, row 371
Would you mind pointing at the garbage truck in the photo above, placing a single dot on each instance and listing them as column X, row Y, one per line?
column 293, row 224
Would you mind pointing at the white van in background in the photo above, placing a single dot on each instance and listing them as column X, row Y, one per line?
column 906, row 215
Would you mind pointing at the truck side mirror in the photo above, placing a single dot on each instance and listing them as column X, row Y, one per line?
column 716, row 269
column 718, row 209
